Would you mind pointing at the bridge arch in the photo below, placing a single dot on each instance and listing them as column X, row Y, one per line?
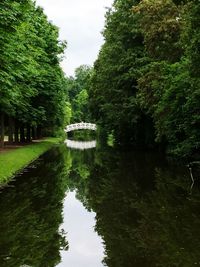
column 80, row 126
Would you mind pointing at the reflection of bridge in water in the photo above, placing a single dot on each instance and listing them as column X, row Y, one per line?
column 81, row 145
column 80, row 126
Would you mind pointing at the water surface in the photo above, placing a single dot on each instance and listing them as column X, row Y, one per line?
column 85, row 248
column 101, row 207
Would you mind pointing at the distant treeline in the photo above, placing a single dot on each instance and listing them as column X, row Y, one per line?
column 145, row 86
column 77, row 91
column 32, row 84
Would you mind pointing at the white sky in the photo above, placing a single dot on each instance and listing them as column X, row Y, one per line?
column 80, row 23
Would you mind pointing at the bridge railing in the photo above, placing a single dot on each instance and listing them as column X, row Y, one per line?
column 80, row 126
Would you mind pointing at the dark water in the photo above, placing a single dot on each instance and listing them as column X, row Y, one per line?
column 100, row 207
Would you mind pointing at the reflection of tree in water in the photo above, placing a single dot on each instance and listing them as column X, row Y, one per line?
column 31, row 212
column 169, row 227
column 79, row 175
column 144, row 212
column 115, row 185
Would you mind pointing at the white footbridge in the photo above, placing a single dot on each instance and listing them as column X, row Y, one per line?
column 80, row 126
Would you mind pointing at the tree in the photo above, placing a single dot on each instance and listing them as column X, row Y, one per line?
column 12, row 14
column 113, row 88
column 77, row 90
column 32, row 81
column 168, row 85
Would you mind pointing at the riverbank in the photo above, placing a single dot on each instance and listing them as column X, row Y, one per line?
column 14, row 160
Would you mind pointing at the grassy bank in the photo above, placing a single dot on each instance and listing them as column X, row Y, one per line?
column 15, row 160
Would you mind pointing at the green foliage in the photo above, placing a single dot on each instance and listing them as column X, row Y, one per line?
column 77, row 89
column 169, row 87
column 145, row 84
column 110, row 140
column 113, row 88
column 31, row 80
column 161, row 27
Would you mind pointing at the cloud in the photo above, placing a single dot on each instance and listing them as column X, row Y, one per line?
column 80, row 23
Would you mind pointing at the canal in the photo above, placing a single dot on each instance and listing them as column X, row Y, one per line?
column 82, row 206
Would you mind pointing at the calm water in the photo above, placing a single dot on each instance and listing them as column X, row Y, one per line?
column 100, row 207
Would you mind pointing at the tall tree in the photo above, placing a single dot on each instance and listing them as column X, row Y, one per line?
column 168, row 86
column 114, row 82
column 32, row 81
column 12, row 14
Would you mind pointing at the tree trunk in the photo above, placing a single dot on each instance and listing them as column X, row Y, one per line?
column 22, row 135
column 16, row 132
column 33, row 132
column 2, row 130
column 10, row 129
column 39, row 132
column 28, row 134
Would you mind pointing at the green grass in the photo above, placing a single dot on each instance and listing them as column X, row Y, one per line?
column 15, row 160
